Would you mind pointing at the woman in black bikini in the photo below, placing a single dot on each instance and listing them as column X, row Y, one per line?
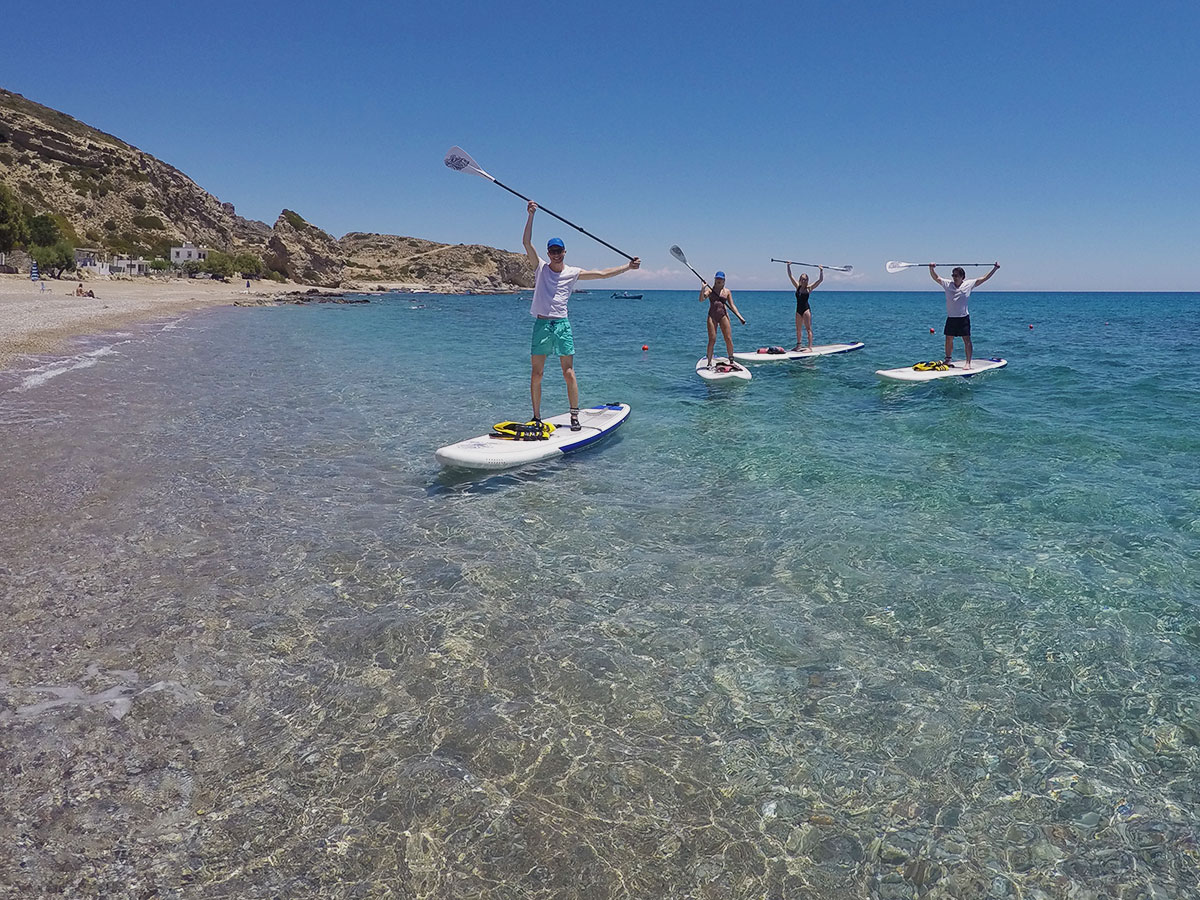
column 719, row 297
column 803, row 310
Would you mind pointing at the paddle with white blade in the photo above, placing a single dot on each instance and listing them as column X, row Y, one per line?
column 893, row 266
column 678, row 254
column 792, row 262
column 460, row 160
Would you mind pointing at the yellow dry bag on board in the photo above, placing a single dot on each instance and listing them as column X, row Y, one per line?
column 523, row 431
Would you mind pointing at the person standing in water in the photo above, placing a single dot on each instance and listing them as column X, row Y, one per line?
column 719, row 298
column 958, row 320
column 553, row 283
column 803, row 310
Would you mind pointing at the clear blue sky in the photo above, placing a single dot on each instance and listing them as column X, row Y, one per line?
column 1061, row 139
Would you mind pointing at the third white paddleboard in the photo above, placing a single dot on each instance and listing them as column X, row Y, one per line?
column 956, row 369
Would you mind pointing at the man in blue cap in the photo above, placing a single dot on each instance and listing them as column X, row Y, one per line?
column 553, row 285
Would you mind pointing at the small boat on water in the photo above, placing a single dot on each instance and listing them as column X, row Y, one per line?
column 625, row 295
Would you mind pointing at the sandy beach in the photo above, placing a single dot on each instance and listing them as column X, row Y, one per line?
column 35, row 321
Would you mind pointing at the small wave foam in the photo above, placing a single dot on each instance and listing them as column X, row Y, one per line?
column 40, row 375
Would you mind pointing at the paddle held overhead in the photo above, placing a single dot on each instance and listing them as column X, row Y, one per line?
column 792, row 262
column 460, row 160
column 893, row 267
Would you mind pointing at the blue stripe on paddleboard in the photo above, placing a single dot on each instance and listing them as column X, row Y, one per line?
column 1004, row 365
column 583, row 442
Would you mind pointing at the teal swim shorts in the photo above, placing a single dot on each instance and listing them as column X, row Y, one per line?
column 552, row 337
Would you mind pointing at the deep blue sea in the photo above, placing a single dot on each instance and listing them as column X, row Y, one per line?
column 813, row 636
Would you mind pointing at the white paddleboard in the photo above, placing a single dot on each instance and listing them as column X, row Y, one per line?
column 722, row 370
column 487, row 452
column 764, row 355
column 958, row 369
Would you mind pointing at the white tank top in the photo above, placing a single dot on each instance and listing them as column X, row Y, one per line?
column 551, row 290
column 956, row 296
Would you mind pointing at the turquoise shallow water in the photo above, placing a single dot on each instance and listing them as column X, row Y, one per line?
column 813, row 636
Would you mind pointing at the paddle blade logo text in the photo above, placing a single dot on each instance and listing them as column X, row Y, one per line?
column 457, row 163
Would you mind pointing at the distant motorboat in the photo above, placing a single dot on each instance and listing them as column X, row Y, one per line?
column 625, row 295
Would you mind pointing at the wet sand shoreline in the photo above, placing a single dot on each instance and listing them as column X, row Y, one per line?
column 34, row 321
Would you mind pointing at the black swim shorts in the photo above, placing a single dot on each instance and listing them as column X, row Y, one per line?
column 957, row 326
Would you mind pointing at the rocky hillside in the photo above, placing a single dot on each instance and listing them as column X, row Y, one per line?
column 108, row 194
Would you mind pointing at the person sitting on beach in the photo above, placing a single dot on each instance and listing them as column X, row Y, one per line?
column 79, row 290
column 719, row 297
column 90, row 293
column 803, row 310
column 958, row 320
column 553, row 283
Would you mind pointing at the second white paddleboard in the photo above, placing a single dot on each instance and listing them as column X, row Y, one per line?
column 765, row 355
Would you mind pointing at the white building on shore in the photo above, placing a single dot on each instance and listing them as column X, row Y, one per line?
column 127, row 265
column 92, row 260
column 180, row 255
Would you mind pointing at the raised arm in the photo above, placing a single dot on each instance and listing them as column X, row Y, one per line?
column 933, row 273
column 593, row 274
column 816, row 284
column 792, row 277
column 995, row 266
column 530, row 252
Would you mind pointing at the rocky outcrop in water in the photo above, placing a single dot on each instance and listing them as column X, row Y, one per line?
column 447, row 267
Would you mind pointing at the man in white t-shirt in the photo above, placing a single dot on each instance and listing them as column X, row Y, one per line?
column 958, row 319
column 553, row 285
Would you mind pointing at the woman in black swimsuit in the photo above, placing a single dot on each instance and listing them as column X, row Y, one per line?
column 719, row 297
column 803, row 310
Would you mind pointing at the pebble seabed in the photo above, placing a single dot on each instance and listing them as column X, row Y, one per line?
column 347, row 728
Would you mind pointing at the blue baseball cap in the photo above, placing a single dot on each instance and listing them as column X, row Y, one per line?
column 555, row 242
column 718, row 275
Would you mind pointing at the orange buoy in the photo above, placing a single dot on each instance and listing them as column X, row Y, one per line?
column 645, row 346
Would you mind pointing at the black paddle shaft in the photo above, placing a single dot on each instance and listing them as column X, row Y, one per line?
column 561, row 219
column 698, row 275
column 679, row 256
